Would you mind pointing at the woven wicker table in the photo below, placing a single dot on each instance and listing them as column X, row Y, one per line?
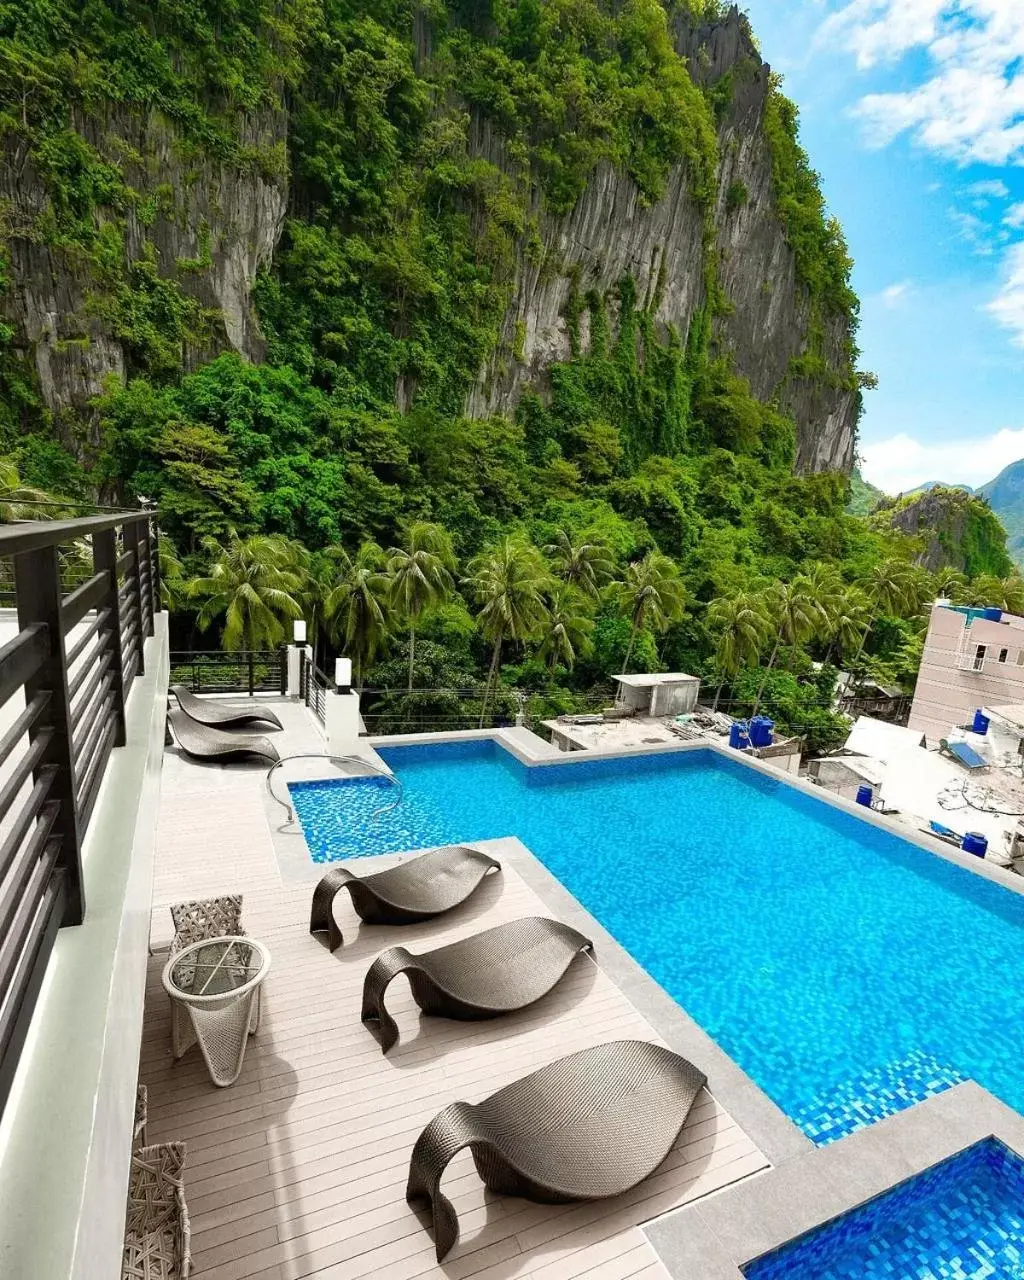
column 216, row 982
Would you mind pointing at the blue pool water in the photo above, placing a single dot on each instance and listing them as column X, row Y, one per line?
column 961, row 1220
column 849, row 972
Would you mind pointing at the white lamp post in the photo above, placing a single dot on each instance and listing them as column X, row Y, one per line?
column 299, row 631
column 343, row 674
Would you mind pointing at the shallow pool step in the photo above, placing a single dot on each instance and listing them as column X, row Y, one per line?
column 880, row 1092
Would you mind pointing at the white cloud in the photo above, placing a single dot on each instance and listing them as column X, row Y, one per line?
column 1007, row 307
column 894, row 294
column 902, row 462
column 991, row 189
column 1015, row 216
column 970, row 105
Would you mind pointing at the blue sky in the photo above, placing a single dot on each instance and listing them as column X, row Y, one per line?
column 913, row 113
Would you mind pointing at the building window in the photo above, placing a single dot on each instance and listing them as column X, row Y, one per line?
column 979, row 658
column 1003, row 654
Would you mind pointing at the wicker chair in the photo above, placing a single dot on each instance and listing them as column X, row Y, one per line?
column 418, row 889
column 585, row 1127
column 141, row 1116
column 157, row 1236
column 497, row 971
column 195, row 922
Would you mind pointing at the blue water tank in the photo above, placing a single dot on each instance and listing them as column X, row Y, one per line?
column 865, row 795
column 738, row 735
column 974, row 842
column 992, row 614
column 980, row 722
column 761, row 731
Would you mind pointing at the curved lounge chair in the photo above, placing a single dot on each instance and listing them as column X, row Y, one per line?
column 586, row 1127
column 498, row 971
column 221, row 715
column 412, row 891
column 204, row 743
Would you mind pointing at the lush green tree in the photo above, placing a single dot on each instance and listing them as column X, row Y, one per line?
column 588, row 566
column 892, row 587
column 508, row 583
column 255, row 585
column 566, row 628
column 421, row 576
column 796, row 615
column 19, row 501
column 847, row 621
column 174, row 583
column 357, row 610
column 652, row 596
column 1002, row 593
column 743, row 627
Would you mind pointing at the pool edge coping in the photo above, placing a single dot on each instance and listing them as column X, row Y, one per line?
column 717, row 1236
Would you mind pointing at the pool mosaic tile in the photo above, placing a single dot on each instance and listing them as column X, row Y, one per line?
column 962, row 1219
column 856, row 1103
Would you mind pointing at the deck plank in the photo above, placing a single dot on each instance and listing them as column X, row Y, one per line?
column 297, row 1172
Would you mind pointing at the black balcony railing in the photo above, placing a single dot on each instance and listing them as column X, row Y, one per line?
column 64, row 678
column 314, row 685
column 215, row 671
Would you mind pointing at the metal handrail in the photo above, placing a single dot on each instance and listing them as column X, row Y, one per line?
column 338, row 760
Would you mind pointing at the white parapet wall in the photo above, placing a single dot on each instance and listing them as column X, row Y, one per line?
column 66, row 1133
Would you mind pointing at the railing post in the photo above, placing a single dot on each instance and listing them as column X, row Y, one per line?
column 252, row 674
column 154, row 560
column 37, row 583
column 131, row 535
column 283, row 659
column 146, row 558
column 104, row 559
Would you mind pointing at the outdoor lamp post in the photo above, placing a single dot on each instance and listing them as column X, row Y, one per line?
column 343, row 675
column 299, row 631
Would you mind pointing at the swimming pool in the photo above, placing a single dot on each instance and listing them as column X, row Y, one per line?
column 960, row 1220
column 849, row 972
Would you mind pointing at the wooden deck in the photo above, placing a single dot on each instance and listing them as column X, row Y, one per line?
column 299, row 1168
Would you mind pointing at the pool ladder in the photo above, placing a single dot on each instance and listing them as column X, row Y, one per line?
column 340, row 761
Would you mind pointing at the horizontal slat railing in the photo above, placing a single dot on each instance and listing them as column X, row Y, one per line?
column 63, row 681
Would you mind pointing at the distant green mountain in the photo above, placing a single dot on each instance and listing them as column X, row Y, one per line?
column 864, row 497
column 1006, row 497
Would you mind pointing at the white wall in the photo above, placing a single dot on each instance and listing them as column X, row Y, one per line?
column 65, row 1139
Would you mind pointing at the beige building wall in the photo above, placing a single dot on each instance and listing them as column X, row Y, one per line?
column 966, row 665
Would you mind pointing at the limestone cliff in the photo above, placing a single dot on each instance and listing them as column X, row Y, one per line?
column 205, row 225
column 766, row 325
column 178, row 215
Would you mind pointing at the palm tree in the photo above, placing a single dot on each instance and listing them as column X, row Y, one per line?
column 891, row 586
column 584, row 565
column 850, row 615
column 357, row 608
column 950, row 584
column 1002, row 593
column 255, row 583
column 17, row 500
column 566, row 629
column 508, row 582
column 174, row 587
column 652, row 596
column 744, row 627
column 421, row 575
column 796, row 615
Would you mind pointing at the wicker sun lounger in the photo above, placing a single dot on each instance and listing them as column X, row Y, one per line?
column 586, row 1127
column 494, row 972
column 222, row 715
column 204, row 743
column 414, row 890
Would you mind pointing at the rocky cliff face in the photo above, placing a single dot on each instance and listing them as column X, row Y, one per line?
column 609, row 233
column 210, row 226
column 956, row 529
column 207, row 226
